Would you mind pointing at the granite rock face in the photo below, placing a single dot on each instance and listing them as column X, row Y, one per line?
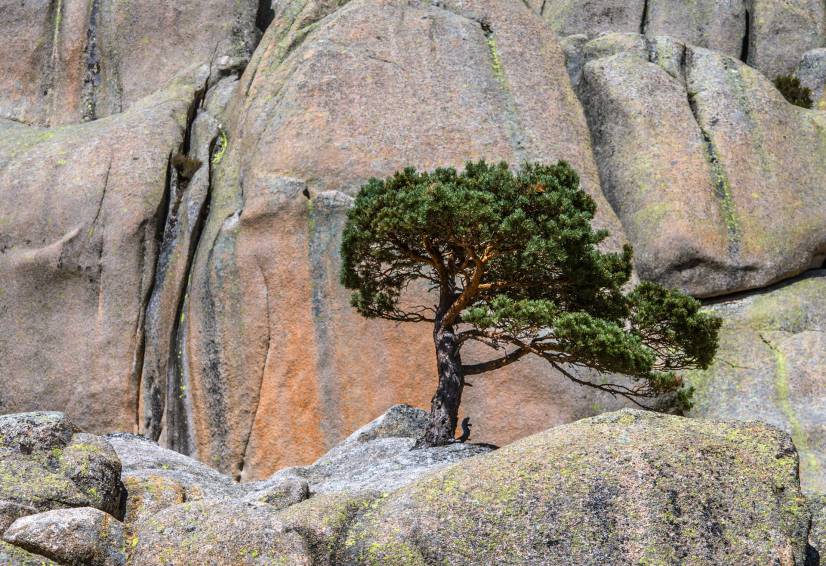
column 705, row 164
column 80, row 210
column 82, row 536
column 767, row 34
column 169, row 240
column 770, row 367
column 623, row 488
column 71, row 60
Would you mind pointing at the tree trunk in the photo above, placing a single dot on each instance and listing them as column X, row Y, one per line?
column 444, row 407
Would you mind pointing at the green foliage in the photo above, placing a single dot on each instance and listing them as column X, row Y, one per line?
column 793, row 91
column 517, row 266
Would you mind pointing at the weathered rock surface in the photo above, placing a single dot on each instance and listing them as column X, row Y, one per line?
column 81, row 208
column 378, row 457
column 324, row 520
column 217, row 532
column 705, row 163
column 770, row 367
column 769, row 35
column 817, row 534
column 44, row 465
column 75, row 537
column 782, row 31
column 11, row 555
column 594, row 17
column 721, row 26
column 812, row 74
column 278, row 365
column 157, row 477
column 72, row 60
column 623, row 488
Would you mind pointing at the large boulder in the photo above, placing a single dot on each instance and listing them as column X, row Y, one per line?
column 81, row 208
column 623, row 488
column 775, row 34
column 217, row 532
column 45, row 464
column 767, row 34
column 78, row 60
column 594, row 17
column 75, row 537
column 377, row 457
column 721, row 26
column 157, row 478
column 771, row 366
column 705, row 163
column 277, row 365
column 780, row 32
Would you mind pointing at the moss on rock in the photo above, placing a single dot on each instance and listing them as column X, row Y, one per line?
column 624, row 488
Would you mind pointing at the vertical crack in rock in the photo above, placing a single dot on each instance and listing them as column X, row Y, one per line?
column 744, row 50
column 644, row 20
column 50, row 64
column 511, row 114
column 91, row 80
column 719, row 178
column 265, row 15
column 147, row 298
column 161, row 344
column 322, row 225
column 781, row 393
column 264, row 364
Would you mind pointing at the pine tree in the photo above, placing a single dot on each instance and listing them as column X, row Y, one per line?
column 513, row 262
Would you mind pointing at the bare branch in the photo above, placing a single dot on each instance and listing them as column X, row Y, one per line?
column 498, row 363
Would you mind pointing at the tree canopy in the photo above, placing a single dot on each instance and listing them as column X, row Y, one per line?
column 514, row 263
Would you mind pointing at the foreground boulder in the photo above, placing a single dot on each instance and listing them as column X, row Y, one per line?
column 11, row 555
column 45, row 464
column 771, row 366
column 625, row 488
column 82, row 536
column 218, row 532
column 630, row 487
column 157, row 478
column 378, row 457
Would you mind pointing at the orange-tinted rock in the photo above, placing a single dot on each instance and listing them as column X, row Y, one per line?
column 278, row 367
column 68, row 61
column 80, row 208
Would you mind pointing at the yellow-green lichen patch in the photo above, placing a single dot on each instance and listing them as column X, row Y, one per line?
column 578, row 494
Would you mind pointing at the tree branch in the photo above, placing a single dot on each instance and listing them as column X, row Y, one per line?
column 498, row 363
column 472, row 288
column 610, row 388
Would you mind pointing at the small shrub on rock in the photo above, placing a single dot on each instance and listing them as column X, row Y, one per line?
column 793, row 91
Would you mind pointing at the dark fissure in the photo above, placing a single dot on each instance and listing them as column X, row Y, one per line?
column 265, row 15
column 744, row 50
